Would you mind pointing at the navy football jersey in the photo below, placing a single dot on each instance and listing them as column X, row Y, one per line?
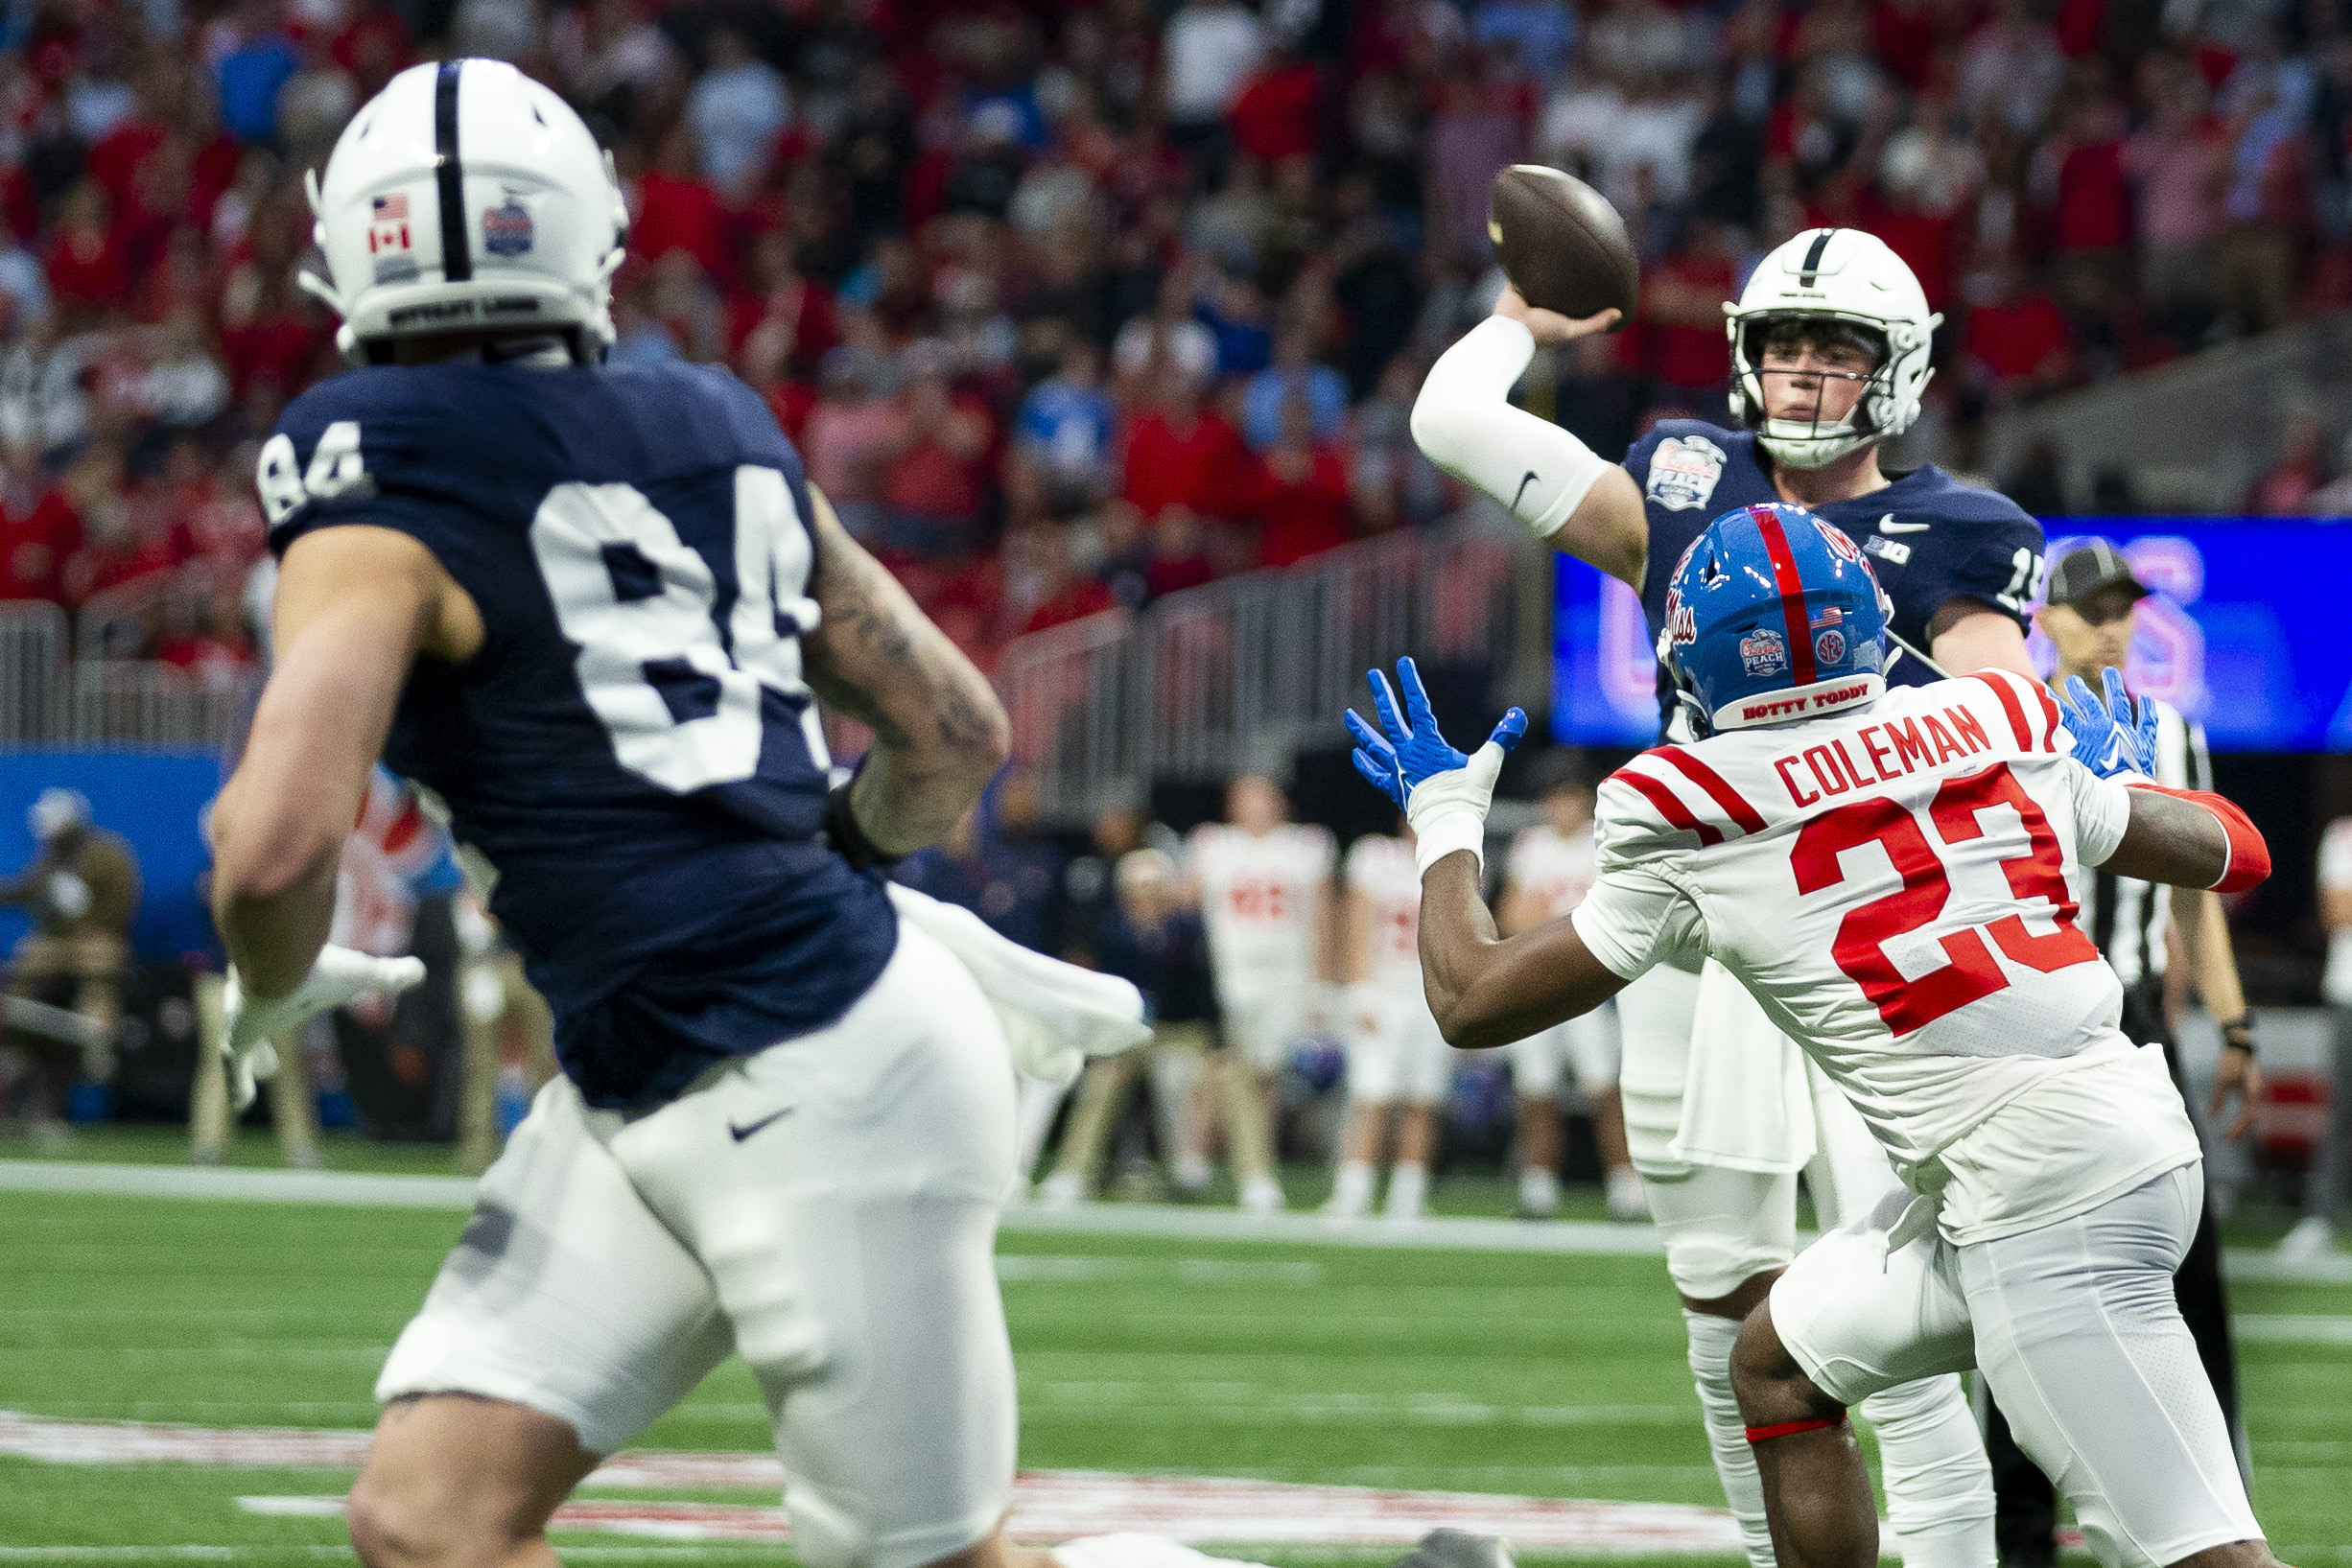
column 1930, row 538
column 633, row 748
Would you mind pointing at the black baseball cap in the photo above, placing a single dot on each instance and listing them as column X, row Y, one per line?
column 2082, row 573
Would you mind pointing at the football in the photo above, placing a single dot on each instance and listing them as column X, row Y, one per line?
column 1561, row 244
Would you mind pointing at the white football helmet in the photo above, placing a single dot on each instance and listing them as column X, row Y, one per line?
column 1845, row 275
column 467, row 198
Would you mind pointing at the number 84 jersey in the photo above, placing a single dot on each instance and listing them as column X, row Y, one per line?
column 634, row 748
column 1892, row 884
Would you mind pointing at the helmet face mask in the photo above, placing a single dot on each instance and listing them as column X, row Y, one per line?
column 1832, row 287
column 466, row 200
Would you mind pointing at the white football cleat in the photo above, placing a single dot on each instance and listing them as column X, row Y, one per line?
column 1261, row 1195
column 1629, row 1202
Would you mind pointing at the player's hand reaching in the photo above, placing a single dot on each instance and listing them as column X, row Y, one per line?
column 339, row 976
column 1444, row 794
column 1407, row 751
column 2113, row 737
column 1550, row 326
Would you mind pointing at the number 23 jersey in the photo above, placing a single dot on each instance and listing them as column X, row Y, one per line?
column 633, row 748
column 1892, row 885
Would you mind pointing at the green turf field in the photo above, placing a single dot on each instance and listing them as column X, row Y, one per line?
column 1533, row 1374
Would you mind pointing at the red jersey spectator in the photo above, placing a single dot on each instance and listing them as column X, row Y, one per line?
column 2094, row 200
column 373, row 46
column 677, row 211
column 220, row 650
column 1180, row 454
column 1682, row 303
column 1062, row 594
column 1274, row 118
column 1299, row 492
column 273, row 343
column 35, row 546
column 765, row 364
column 2018, row 341
column 935, row 459
column 90, row 265
column 1904, row 32
column 1180, row 558
column 778, row 294
column 115, row 549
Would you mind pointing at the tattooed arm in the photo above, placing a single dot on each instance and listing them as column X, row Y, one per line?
column 939, row 734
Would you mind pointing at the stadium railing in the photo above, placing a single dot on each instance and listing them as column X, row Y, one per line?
column 145, row 703
column 33, row 660
column 2182, row 431
column 1216, row 679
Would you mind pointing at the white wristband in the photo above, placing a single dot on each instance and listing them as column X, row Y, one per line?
column 1449, row 810
column 1465, row 423
column 1439, row 833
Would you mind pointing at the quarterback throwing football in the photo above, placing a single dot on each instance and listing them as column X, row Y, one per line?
column 1829, row 356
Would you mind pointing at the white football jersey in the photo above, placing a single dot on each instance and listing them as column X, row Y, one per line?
column 1559, row 869
column 1258, row 899
column 1893, row 885
column 1382, row 869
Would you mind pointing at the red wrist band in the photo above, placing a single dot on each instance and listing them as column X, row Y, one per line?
column 2249, row 857
column 1790, row 1429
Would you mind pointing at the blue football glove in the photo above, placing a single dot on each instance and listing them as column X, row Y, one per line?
column 2115, row 737
column 1444, row 794
column 1412, row 752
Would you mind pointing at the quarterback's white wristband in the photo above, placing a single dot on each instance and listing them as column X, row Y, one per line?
column 1465, row 423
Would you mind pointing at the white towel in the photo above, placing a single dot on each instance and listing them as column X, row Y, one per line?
column 1745, row 1101
column 1055, row 1014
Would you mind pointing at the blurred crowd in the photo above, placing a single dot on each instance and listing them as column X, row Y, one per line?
column 1070, row 305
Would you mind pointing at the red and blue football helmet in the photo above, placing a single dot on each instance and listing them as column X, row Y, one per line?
column 1773, row 615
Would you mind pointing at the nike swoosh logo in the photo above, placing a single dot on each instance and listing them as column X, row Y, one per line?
column 743, row 1133
column 1887, row 524
column 1522, row 489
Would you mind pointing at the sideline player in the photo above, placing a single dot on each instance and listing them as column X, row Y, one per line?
column 1264, row 887
column 1829, row 351
column 1887, row 870
column 589, row 608
column 1552, row 865
column 1399, row 1065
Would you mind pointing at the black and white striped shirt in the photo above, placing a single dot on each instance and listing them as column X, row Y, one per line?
column 2127, row 918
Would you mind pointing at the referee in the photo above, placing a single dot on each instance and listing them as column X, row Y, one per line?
column 2156, row 939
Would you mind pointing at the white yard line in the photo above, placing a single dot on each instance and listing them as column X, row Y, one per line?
column 2292, row 1328
column 1576, row 1237
column 1047, row 1505
column 190, row 1552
